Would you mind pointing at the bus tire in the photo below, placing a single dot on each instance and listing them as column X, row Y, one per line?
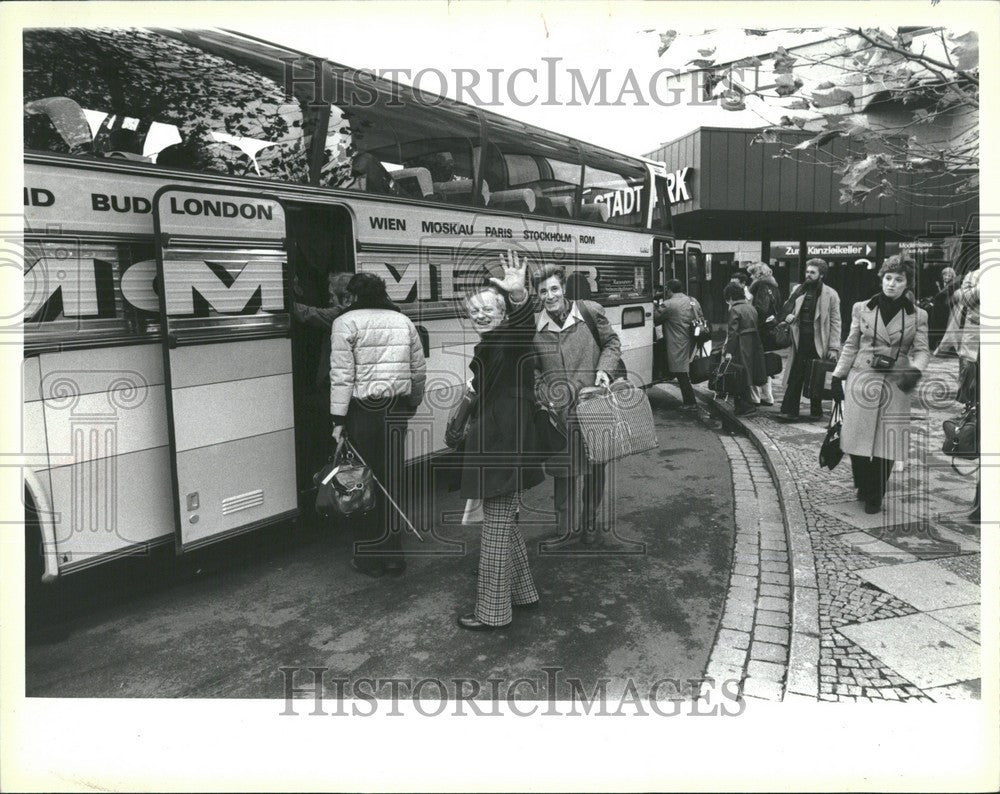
column 34, row 562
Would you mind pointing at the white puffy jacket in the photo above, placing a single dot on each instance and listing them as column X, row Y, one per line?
column 374, row 353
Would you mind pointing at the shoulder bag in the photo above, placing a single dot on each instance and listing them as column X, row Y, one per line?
column 619, row 371
column 961, row 434
column 460, row 419
column 777, row 337
column 700, row 330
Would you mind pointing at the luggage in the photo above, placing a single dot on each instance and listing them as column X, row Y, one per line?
column 820, row 380
column 961, row 435
column 616, row 421
column 701, row 366
column 345, row 485
column 777, row 337
column 830, row 453
column 728, row 378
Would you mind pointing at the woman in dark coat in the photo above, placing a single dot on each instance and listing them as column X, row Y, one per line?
column 743, row 344
column 498, row 456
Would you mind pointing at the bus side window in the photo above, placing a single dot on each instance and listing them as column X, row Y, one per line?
column 529, row 173
column 132, row 94
column 614, row 191
column 397, row 146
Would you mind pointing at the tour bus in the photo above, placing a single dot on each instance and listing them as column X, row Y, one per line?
column 186, row 191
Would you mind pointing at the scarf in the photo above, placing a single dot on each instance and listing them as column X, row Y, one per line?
column 889, row 307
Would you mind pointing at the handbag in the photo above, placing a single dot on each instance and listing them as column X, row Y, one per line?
column 619, row 371
column 460, row 419
column 772, row 364
column 777, row 337
column 830, row 453
column 820, row 380
column 700, row 330
column 616, row 421
column 701, row 366
column 961, row 435
column 345, row 485
column 550, row 430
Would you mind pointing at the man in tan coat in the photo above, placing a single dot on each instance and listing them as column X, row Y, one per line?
column 813, row 312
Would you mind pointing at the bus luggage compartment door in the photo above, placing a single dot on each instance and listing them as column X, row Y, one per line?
column 224, row 307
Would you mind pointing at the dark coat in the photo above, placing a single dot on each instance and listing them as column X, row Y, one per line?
column 499, row 454
column 766, row 300
column 676, row 315
column 743, row 341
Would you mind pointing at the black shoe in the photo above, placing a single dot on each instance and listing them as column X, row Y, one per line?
column 374, row 573
column 750, row 411
column 765, row 404
column 394, row 568
column 529, row 605
column 472, row 623
column 783, row 417
column 872, row 507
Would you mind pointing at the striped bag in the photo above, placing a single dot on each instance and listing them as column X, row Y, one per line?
column 616, row 421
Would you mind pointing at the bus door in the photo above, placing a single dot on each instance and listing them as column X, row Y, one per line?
column 693, row 268
column 663, row 264
column 224, row 304
column 663, row 271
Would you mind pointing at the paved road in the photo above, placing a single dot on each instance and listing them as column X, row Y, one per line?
column 290, row 600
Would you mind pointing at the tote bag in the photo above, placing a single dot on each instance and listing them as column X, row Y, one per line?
column 616, row 421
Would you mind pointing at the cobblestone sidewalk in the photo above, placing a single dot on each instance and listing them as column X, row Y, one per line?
column 893, row 599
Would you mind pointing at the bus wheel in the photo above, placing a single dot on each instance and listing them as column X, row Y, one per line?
column 34, row 564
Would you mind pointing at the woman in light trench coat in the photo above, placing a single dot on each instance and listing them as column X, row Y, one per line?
column 882, row 359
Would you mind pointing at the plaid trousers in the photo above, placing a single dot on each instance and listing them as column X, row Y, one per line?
column 504, row 576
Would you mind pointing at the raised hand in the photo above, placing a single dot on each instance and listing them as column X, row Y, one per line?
column 514, row 270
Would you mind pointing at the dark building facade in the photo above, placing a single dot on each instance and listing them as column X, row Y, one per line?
column 746, row 203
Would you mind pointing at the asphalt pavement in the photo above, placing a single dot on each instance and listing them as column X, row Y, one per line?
column 224, row 623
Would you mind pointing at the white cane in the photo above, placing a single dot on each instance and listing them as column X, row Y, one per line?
column 382, row 487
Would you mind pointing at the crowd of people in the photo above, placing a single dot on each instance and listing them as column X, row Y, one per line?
column 873, row 371
column 525, row 376
column 527, row 371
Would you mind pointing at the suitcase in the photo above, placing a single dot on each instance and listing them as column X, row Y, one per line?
column 616, row 421
column 820, row 380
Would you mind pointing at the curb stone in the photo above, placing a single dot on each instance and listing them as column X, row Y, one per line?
column 753, row 643
column 803, row 659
